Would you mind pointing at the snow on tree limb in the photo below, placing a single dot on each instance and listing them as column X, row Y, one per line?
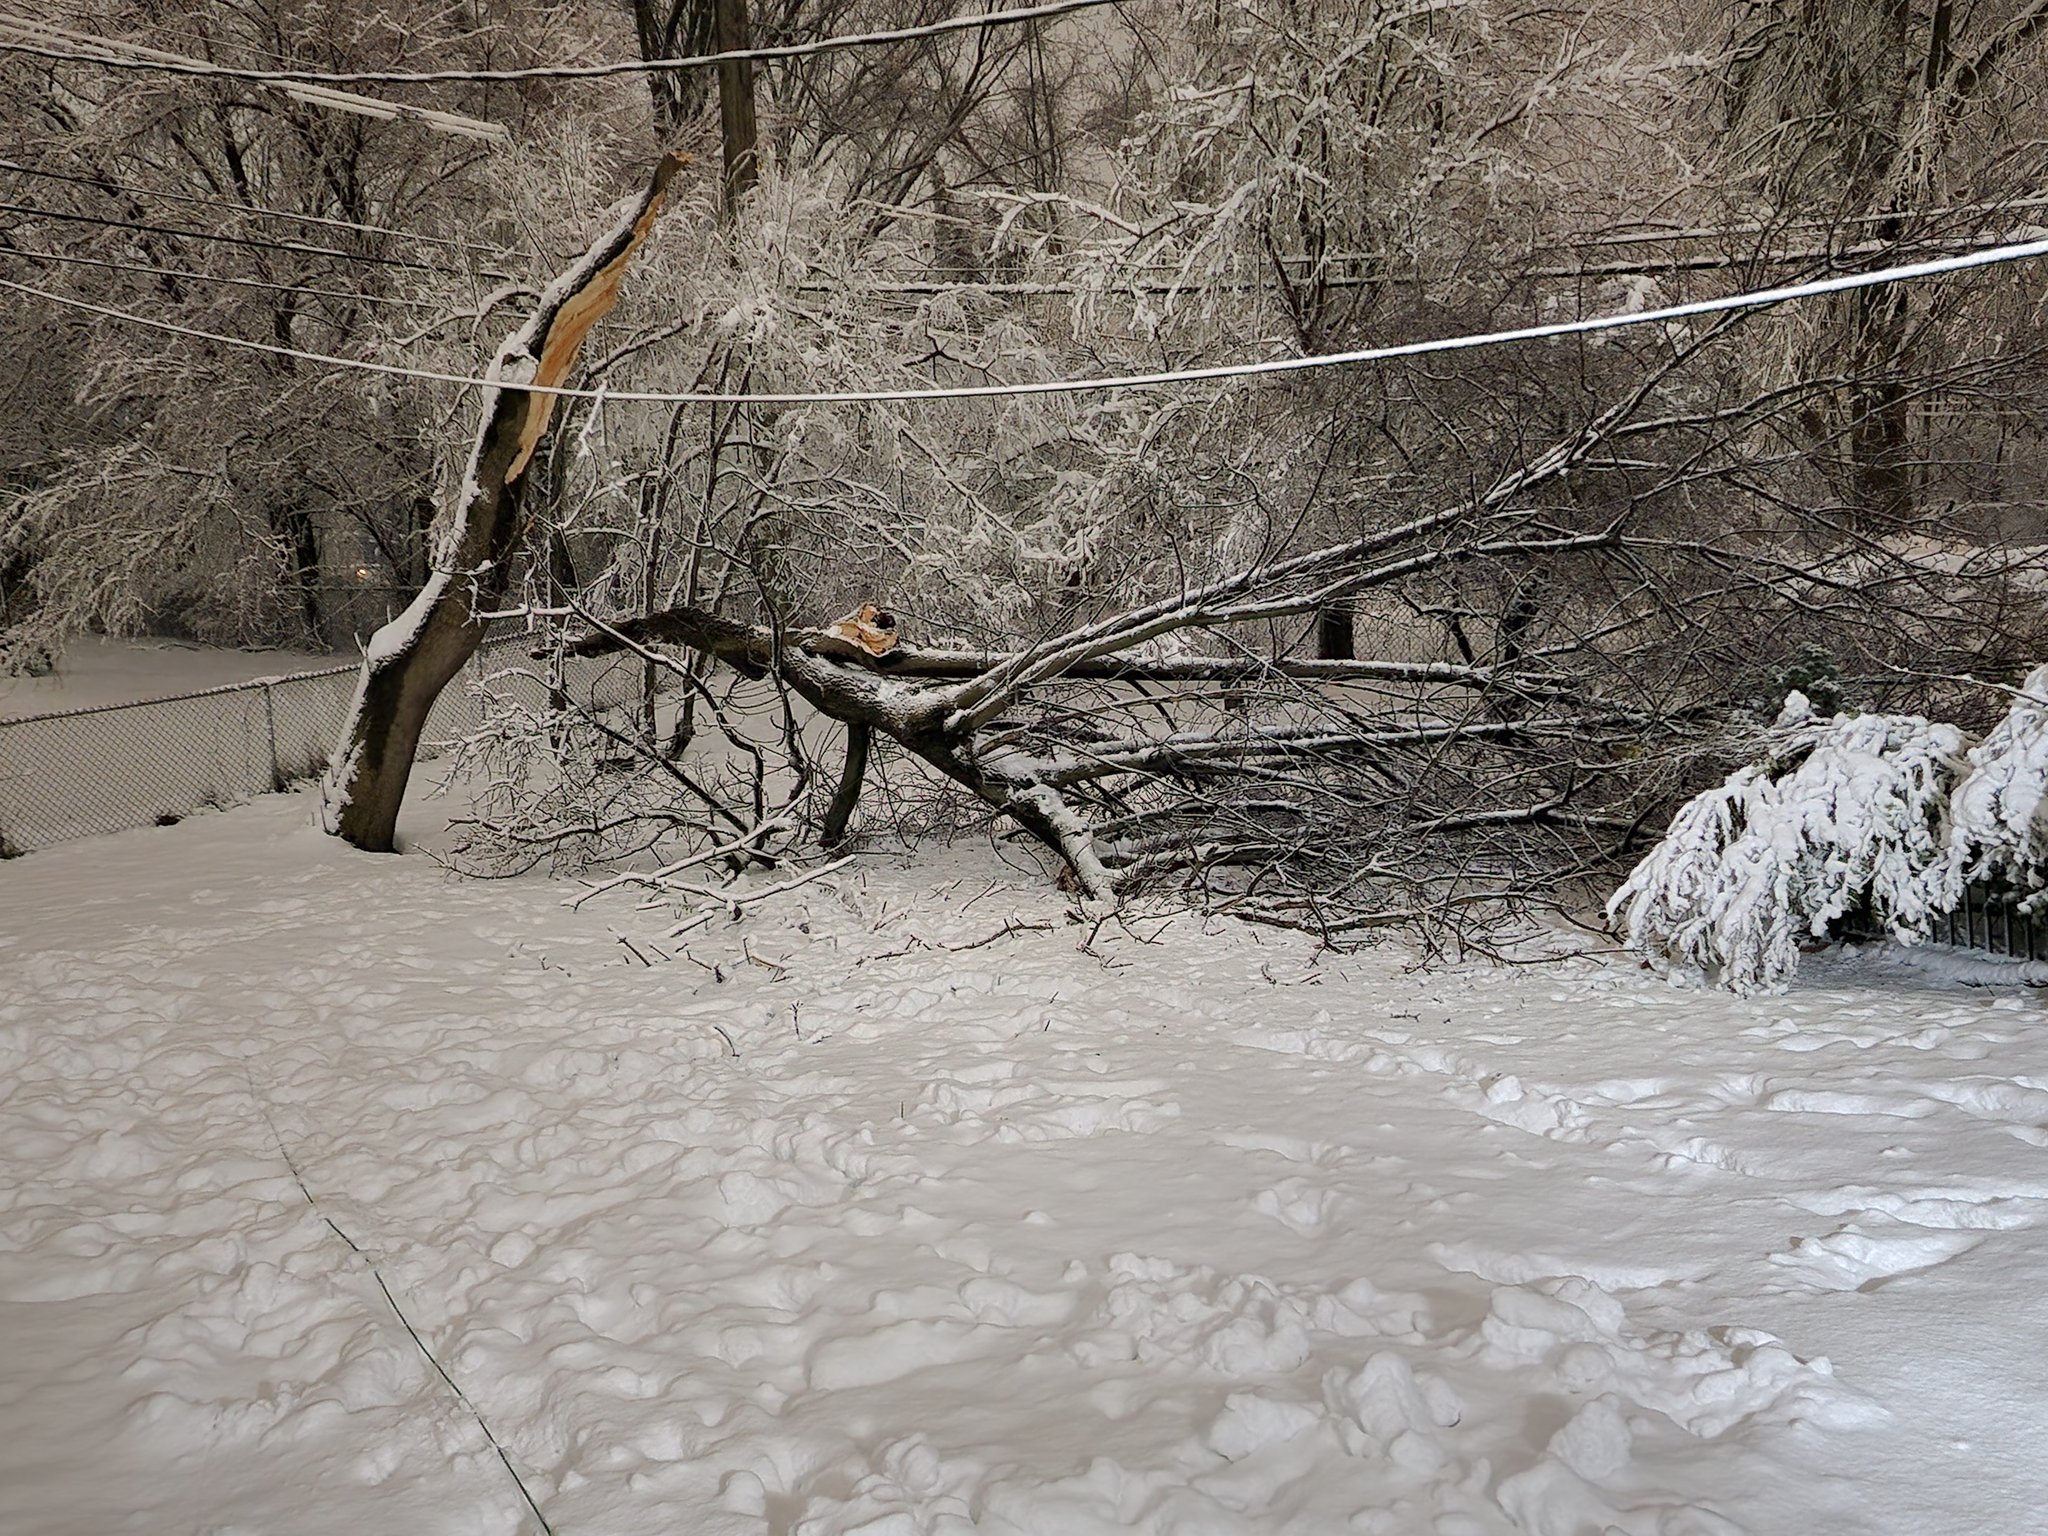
column 1847, row 813
column 2000, row 811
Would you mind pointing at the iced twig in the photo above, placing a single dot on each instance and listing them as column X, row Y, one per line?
column 736, row 905
column 1015, row 925
column 740, row 844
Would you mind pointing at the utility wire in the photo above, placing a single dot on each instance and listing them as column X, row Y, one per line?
column 249, row 208
column 114, row 60
column 1645, row 266
column 185, row 274
column 377, row 1274
column 292, row 246
column 1667, row 314
column 1165, row 283
column 28, row 36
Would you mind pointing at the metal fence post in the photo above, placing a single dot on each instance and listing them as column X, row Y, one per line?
column 270, row 730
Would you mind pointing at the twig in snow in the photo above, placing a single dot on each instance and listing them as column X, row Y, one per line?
column 659, row 878
column 747, row 949
column 989, row 890
column 1309, row 978
column 1015, row 925
column 1165, row 922
column 892, row 954
column 728, row 1041
column 737, row 905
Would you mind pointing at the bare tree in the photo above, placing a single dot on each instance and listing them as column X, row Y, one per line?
column 210, row 490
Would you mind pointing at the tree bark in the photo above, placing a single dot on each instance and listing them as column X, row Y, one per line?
column 1334, row 633
column 736, row 105
column 1880, row 422
column 846, row 798
column 411, row 659
column 670, row 29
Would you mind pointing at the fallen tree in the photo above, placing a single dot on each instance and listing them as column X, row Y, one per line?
column 1202, row 763
column 1180, row 741
column 1590, row 561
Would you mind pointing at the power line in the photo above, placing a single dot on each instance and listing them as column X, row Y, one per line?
column 1655, row 234
column 1647, row 266
column 1727, row 304
column 293, row 246
column 930, row 287
column 34, row 36
column 115, row 60
column 907, row 287
column 186, row 275
column 249, row 208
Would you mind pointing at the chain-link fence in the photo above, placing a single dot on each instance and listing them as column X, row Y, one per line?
column 81, row 772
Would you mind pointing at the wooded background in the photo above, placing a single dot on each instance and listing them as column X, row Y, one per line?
column 1415, row 638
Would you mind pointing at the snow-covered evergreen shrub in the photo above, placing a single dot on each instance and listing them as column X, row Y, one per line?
column 1847, row 812
column 1999, row 815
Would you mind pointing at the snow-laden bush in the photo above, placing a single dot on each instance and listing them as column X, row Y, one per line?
column 1846, row 813
column 1999, row 815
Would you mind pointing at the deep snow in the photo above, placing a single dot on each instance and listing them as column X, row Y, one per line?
column 827, row 1227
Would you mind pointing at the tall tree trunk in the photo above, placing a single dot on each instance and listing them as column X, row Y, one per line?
column 411, row 659
column 736, row 105
column 294, row 528
column 1880, row 426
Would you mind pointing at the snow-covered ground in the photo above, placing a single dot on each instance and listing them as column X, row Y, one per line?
column 848, row 1221
column 95, row 670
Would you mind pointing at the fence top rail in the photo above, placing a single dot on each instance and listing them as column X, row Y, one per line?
column 247, row 685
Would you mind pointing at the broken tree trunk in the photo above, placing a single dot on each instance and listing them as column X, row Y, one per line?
column 411, row 659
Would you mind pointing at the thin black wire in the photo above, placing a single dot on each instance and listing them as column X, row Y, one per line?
column 293, row 246
column 187, row 275
column 399, row 1312
column 250, row 208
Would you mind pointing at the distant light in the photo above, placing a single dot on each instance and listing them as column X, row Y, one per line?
column 363, row 573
